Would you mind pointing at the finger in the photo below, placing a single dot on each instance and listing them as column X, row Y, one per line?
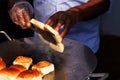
column 13, row 16
column 51, row 22
column 58, row 25
column 27, row 19
column 48, row 21
column 65, row 30
column 21, row 19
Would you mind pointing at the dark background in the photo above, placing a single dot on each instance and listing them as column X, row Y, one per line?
column 109, row 52
column 109, row 57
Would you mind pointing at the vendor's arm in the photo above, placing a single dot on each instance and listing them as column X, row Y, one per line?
column 91, row 9
column 84, row 12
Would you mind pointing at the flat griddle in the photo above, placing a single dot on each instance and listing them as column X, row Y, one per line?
column 76, row 56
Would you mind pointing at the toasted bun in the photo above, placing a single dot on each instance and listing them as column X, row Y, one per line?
column 43, row 66
column 2, row 63
column 30, row 75
column 24, row 61
column 18, row 67
column 9, row 73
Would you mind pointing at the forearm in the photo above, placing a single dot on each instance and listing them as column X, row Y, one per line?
column 91, row 9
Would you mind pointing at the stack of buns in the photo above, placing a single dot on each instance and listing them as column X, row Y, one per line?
column 9, row 73
column 20, row 69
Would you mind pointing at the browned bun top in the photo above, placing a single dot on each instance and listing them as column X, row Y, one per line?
column 29, row 74
column 2, row 63
column 18, row 67
column 43, row 64
column 9, row 71
column 24, row 61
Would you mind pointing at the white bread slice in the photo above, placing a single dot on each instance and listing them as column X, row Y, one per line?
column 59, row 46
column 24, row 61
column 30, row 75
column 44, row 66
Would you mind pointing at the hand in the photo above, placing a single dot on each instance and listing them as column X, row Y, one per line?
column 62, row 18
column 21, row 14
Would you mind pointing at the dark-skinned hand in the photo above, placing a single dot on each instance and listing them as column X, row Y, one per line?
column 21, row 14
column 63, row 19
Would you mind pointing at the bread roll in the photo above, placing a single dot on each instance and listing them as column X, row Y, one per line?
column 30, row 75
column 24, row 61
column 43, row 66
column 2, row 63
column 18, row 67
column 9, row 74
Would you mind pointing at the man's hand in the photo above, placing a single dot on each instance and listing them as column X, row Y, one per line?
column 21, row 14
column 63, row 19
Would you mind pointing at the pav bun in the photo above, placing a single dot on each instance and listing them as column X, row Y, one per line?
column 24, row 61
column 30, row 75
column 18, row 67
column 9, row 73
column 43, row 66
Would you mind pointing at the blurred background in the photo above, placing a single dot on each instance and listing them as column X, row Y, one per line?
column 109, row 52
column 110, row 23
